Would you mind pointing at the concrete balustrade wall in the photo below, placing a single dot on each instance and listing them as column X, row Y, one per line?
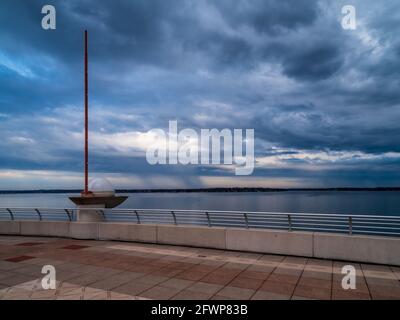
column 44, row 228
column 192, row 236
column 270, row 241
column 128, row 232
column 385, row 250
column 368, row 249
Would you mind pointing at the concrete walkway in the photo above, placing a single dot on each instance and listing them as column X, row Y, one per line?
column 118, row 270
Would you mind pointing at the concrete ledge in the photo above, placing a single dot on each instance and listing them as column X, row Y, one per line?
column 44, row 228
column 270, row 241
column 128, row 232
column 9, row 227
column 367, row 249
column 371, row 249
column 84, row 230
column 192, row 236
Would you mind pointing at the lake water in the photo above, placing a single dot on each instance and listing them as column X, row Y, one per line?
column 346, row 202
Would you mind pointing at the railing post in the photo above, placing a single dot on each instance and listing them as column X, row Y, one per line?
column 246, row 220
column 40, row 215
column 290, row 222
column 137, row 216
column 103, row 214
column 173, row 214
column 11, row 214
column 208, row 219
column 350, row 226
column 68, row 214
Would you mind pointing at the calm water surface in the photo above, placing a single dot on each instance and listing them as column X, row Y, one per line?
column 355, row 202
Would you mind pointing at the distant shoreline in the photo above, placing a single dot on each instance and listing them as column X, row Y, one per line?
column 205, row 190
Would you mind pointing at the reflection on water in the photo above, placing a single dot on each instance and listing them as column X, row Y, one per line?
column 355, row 202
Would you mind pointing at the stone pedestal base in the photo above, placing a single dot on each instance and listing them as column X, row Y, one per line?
column 86, row 214
column 86, row 206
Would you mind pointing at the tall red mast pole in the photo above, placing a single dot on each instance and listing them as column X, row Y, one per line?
column 86, row 118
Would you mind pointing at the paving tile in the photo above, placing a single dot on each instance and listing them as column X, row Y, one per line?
column 7, row 274
column 203, row 268
column 70, row 290
column 29, row 244
column 313, row 262
column 312, row 292
column 350, row 295
column 264, row 295
column 167, row 272
column 133, row 288
column 213, row 263
column 115, row 281
column 67, row 275
column 19, row 258
column 278, row 287
column 191, row 275
column 15, row 280
column 191, row 295
column 318, row 269
column 15, row 294
column 255, row 274
column 160, row 293
column 249, row 255
column 94, row 294
column 203, row 287
column 271, row 258
column 246, row 283
column 32, row 270
column 301, row 298
column 236, row 293
column 217, row 278
column 43, row 294
column 378, row 291
column 387, row 278
column 70, row 266
column 289, row 269
column 142, row 268
column 234, row 265
column 284, row 278
column 318, row 283
column 70, row 297
column 262, row 268
column 317, row 275
column 177, row 283
column 151, row 279
column 219, row 297
column 32, row 285
column 86, row 279
column 120, row 296
column 74, row 247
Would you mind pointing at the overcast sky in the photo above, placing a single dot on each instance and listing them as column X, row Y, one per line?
column 324, row 102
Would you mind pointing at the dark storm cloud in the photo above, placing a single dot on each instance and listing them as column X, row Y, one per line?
column 268, row 16
column 314, row 64
column 285, row 68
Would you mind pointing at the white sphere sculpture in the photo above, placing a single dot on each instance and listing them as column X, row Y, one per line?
column 101, row 187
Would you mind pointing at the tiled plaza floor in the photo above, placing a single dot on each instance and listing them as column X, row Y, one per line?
column 118, row 270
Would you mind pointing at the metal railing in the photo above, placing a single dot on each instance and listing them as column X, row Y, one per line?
column 339, row 223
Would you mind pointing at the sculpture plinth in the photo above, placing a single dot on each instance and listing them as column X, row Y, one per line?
column 87, row 204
